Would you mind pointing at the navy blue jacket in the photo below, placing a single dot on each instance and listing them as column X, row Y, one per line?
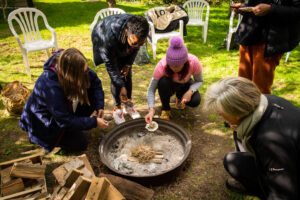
column 47, row 111
column 108, row 47
column 279, row 29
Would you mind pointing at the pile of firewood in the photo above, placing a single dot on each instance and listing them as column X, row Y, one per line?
column 23, row 178
column 77, row 181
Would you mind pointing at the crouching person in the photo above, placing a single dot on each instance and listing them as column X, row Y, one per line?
column 173, row 75
column 62, row 101
column 267, row 137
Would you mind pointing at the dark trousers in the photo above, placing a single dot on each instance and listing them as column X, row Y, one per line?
column 241, row 166
column 166, row 88
column 75, row 140
column 115, row 90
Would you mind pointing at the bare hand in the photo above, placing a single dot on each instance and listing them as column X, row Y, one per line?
column 236, row 6
column 101, row 123
column 149, row 116
column 123, row 95
column 261, row 9
column 187, row 97
column 100, row 113
column 125, row 70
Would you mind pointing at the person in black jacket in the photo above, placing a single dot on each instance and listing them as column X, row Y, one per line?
column 116, row 40
column 267, row 30
column 267, row 137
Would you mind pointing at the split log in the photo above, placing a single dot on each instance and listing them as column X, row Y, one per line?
column 12, row 187
column 129, row 189
column 28, row 171
column 34, row 158
column 19, row 194
column 60, row 172
column 5, row 175
column 98, row 189
column 71, row 177
column 79, row 189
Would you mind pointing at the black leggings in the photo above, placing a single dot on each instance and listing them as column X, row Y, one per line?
column 115, row 90
column 241, row 166
column 166, row 88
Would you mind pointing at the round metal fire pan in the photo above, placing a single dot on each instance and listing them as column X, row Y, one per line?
column 121, row 129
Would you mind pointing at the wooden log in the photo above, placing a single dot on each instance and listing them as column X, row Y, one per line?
column 61, row 194
column 11, row 162
column 98, row 189
column 28, row 171
column 76, row 163
column 79, row 189
column 60, row 172
column 12, row 187
column 19, row 194
column 114, row 194
column 71, row 177
column 129, row 189
column 5, row 175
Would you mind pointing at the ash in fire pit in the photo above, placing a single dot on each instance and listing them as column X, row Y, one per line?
column 145, row 153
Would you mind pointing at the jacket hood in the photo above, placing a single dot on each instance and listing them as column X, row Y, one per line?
column 52, row 61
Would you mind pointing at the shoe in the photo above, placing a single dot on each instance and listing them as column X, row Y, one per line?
column 131, row 112
column 165, row 114
column 235, row 186
column 118, row 116
column 179, row 105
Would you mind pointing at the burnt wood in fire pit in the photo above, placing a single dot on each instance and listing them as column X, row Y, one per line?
column 129, row 126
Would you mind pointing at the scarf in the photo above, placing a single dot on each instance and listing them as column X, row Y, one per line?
column 244, row 129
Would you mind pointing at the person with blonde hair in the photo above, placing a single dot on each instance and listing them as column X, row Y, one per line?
column 62, row 101
column 267, row 139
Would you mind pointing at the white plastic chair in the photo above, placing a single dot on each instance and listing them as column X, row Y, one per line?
column 195, row 10
column 156, row 36
column 232, row 28
column 104, row 13
column 27, row 19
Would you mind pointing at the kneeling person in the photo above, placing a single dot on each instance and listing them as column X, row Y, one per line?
column 63, row 99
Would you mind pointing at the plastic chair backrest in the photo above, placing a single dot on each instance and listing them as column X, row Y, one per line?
column 27, row 19
column 233, row 28
column 104, row 13
column 195, row 9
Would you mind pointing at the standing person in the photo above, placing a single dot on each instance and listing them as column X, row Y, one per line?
column 116, row 41
column 270, row 29
column 62, row 101
column 267, row 137
column 173, row 75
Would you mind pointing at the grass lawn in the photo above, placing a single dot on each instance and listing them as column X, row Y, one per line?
column 71, row 20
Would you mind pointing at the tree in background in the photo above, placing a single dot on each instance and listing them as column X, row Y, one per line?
column 111, row 3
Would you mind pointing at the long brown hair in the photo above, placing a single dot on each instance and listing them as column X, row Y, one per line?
column 182, row 74
column 71, row 75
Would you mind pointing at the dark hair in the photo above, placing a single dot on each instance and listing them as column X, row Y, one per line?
column 138, row 25
column 182, row 74
column 72, row 78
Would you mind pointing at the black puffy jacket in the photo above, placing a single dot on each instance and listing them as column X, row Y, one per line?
column 276, row 142
column 279, row 29
column 108, row 47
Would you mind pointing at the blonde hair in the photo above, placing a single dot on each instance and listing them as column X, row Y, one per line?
column 235, row 96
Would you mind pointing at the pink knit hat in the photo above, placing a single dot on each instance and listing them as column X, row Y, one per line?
column 177, row 53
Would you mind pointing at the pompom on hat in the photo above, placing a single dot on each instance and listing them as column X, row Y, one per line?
column 177, row 53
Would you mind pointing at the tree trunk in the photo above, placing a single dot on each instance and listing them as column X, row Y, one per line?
column 111, row 3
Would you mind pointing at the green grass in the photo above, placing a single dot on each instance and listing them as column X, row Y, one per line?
column 71, row 20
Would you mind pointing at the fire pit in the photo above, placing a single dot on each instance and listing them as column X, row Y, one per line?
column 163, row 151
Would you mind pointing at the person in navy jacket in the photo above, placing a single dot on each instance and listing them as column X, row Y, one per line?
column 62, row 101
